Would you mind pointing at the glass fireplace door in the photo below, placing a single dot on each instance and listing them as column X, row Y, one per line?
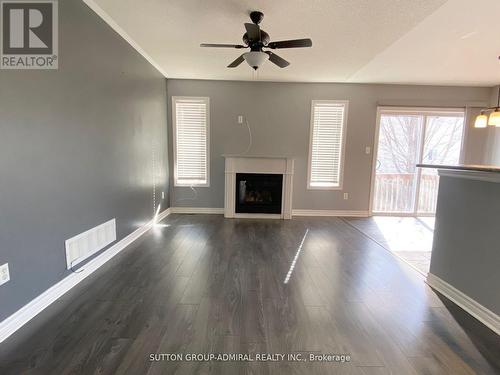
column 258, row 193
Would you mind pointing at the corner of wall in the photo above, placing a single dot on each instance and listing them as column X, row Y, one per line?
column 492, row 149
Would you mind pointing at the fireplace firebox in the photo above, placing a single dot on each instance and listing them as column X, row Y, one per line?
column 258, row 193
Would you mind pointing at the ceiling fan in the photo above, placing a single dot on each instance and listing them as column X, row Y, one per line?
column 256, row 39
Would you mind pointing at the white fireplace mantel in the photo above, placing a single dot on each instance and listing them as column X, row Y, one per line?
column 258, row 164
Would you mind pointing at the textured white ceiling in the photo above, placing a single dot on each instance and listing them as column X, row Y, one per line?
column 383, row 41
column 457, row 44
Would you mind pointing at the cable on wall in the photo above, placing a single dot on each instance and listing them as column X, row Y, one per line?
column 249, row 137
column 153, row 167
column 194, row 197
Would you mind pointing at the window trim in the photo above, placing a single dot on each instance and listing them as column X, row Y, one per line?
column 345, row 103
column 206, row 100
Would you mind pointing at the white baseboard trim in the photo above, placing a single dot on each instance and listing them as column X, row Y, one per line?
column 40, row 303
column 302, row 212
column 197, row 210
column 478, row 311
column 162, row 215
column 297, row 212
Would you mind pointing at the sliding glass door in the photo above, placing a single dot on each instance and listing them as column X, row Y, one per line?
column 407, row 137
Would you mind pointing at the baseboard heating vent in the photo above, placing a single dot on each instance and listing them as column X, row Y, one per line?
column 86, row 244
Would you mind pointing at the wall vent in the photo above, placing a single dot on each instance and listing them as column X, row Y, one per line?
column 86, row 244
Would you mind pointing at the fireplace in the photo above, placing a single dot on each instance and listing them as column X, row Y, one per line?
column 266, row 187
column 258, row 193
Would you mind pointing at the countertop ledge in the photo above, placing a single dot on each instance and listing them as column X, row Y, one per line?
column 463, row 167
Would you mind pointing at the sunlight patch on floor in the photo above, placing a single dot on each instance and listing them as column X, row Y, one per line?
column 409, row 238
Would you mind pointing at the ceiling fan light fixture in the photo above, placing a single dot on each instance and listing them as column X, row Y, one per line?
column 255, row 58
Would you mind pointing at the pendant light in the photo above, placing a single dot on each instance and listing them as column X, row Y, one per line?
column 481, row 121
column 493, row 119
column 495, row 115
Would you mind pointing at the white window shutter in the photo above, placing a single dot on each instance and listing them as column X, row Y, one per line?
column 191, row 141
column 328, row 120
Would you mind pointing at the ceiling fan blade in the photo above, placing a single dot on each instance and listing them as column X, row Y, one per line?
column 222, row 45
column 274, row 58
column 253, row 31
column 236, row 62
column 295, row 43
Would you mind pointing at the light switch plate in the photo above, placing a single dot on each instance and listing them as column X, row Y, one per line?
column 368, row 150
column 4, row 273
column 240, row 119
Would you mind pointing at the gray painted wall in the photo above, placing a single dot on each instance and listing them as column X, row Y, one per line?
column 465, row 251
column 76, row 150
column 279, row 115
column 476, row 140
column 494, row 146
column 493, row 133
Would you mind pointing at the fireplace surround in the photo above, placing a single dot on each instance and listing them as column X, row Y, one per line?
column 258, row 187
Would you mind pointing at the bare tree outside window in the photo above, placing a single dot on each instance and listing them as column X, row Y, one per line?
column 398, row 143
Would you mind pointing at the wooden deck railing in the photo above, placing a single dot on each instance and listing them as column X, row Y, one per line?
column 394, row 193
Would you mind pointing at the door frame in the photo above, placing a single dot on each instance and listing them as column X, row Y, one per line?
column 411, row 111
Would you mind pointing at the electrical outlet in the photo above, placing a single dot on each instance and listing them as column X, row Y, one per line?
column 368, row 150
column 240, row 119
column 346, row 196
column 162, row 195
column 4, row 273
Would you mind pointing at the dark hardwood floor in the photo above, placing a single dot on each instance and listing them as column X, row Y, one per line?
column 203, row 284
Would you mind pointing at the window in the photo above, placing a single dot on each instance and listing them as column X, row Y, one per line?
column 191, row 137
column 326, row 147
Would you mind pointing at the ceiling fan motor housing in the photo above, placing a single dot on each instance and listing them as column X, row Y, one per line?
column 256, row 45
